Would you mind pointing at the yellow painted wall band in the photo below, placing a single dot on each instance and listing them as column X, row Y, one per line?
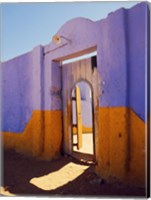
column 120, row 146
column 41, row 137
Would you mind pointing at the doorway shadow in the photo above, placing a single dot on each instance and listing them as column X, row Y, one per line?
column 84, row 157
column 18, row 170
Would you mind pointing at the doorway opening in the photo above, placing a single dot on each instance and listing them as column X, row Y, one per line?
column 82, row 122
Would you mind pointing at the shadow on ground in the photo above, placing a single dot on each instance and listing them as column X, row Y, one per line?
column 18, row 170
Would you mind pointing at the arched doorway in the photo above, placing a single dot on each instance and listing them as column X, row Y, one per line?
column 82, row 122
column 73, row 73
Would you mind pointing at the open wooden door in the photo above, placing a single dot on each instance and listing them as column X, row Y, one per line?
column 79, row 118
column 72, row 73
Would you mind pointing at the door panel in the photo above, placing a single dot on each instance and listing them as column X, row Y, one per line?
column 79, row 118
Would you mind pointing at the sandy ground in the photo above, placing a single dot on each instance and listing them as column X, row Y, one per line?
column 65, row 176
column 87, row 143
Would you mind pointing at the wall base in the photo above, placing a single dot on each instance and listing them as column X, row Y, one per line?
column 41, row 138
column 121, row 149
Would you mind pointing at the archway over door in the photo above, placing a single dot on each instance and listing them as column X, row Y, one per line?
column 73, row 73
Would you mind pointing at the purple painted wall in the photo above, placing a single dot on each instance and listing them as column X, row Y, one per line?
column 16, row 93
column 33, row 81
column 122, row 59
column 55, row 87
column 120, row 40
column 112, row 60
column 21, row 90
column 137, row 42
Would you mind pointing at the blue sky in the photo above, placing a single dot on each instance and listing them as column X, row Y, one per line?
column 26, row 25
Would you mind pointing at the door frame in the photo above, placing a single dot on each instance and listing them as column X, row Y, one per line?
column 95, row 85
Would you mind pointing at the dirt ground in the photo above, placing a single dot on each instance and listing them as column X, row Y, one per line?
column 65, row 176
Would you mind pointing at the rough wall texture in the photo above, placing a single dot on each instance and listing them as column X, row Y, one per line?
column 122, row 146
column 17, row 93
column 32, row 93
column 123, row 71
column 25, row 124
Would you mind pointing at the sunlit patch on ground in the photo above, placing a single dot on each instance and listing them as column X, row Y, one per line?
column 87, row 143
column 64, row 176
column 5, row 192
column 59, row 178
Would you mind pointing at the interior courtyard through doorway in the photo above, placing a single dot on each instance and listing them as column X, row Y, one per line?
column 82, row 122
